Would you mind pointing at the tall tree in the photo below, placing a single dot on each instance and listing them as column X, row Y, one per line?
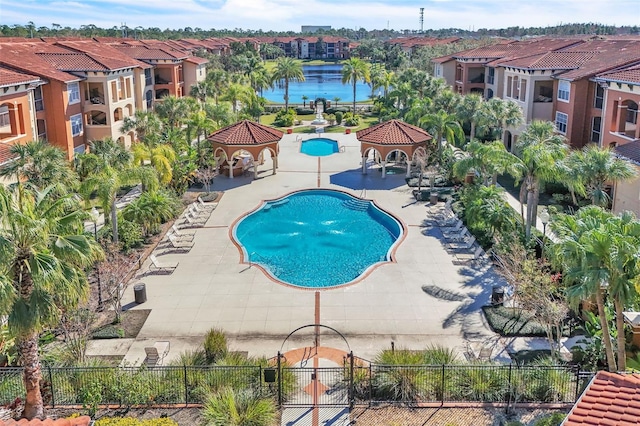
column 596, row 167
column 354, row 70
column 487, row 160
column 287, row 69
column 236, row 94
column 43, row 254
column 469, row 112
column 540, row 150
column 146, row 124
column 598, row 253
column 499, row 114
column 173, row 110
column 443, row 126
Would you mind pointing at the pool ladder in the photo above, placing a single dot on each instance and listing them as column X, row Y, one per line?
column 258, row 255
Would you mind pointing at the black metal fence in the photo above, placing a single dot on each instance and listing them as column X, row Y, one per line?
column 350, row 384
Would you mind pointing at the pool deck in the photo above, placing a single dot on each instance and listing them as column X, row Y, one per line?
column 211, row 288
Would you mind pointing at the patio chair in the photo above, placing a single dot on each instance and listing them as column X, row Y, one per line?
column 460, row 235
column 182, row 235
column 156, row 353
column 198, row 212
column 465, row 244
column 464, row 258
column 180, row 245
column 485, row 353
column 210, row 206
column 454, row 228
column 190, row 221
column 157, row 266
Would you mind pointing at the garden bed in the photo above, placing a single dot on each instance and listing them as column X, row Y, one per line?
column 516, row 322
column 131, row 323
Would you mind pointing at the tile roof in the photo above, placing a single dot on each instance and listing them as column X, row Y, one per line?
column 13, row 78
column 393, row 132
column 629, row 75
column 5, row 153
column 23, row 57
column 246, row 132
column 611, row 54
column 551, row 60
column 630, row 151
column 196, row 60
column 105, row 54
column 611, row 399
column 72, row 62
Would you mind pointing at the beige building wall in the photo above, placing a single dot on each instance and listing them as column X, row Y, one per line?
column 627, row 195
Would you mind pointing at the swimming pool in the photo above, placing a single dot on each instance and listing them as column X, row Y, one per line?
column 319, row 147
column 317, row 238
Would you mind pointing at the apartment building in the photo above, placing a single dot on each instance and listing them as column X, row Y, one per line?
column 86, row 88
column 323, row 47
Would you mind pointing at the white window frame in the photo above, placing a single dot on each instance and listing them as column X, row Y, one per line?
column 562, row 121
column 73, row 89
column 564, row 90
column 596, row 131
column 76, row 125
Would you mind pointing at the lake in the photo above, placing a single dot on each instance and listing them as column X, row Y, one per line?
column 321, row 81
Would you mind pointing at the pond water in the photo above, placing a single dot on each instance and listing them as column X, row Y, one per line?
column 321, row 81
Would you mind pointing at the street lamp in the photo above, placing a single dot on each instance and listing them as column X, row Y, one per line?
column 95, row 215
column 544, row 218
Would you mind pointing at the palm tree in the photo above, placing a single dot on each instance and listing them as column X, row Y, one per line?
column 173, row 110
column 402, row 94
column 40, row 164
column 469, row 111
column 488, row 160
column 336, row 100
column 540, row 150
column 443, row 126
column 235, row 94
column 44, row 253
column 230, row 407
column 596, row 167
column 490, row 209
column 304, row 101
column 446, row 100
column 161, row 158
column 387, row 79
column 287, row 69
column 219, row 80
column 201, row 91
column 354, row 70
column 146, row 124
column 500, row 114
column 598, row 254
column 151, row 209
column 202, row 125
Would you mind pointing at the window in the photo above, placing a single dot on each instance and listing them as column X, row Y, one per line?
column 37, row 97
column 561, row 122
column 148, row 79
column 489, row 94
column 76, row 124
column 523, row 90
column 515, row 92
column 74, row 92
column 42, row 129
column 599, row 99
column 491, row 76
column 564, row 89
column 596, row 123
column 509, row 85
column 5, row 120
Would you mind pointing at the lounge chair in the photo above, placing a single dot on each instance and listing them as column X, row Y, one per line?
column 456, row 227
column 156, row 353
column 460, row 235
column 182, row 235
column 465, row 244
column 464, row 258
column 197, row 212
column 180, row 245
column 189, row 221
column 157, row 266
column 209, row 206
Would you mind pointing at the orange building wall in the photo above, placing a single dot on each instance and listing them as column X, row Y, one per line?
column 56, row 114
column 20, row 103
column 612, row 97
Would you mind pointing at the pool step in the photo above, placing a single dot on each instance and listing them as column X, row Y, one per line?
column 358, row 205
column 275, row 204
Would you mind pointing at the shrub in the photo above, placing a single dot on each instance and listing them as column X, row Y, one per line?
column 437, row 354
column 191, row 358
column 285, row 118
column 215, row 345
column 554, row 419
column 515, row 322
column 335, row 110
column 351, row 120
column 481, row 384
column 338, row 115
column 305, row 111
column 109, row 332
column 401, row 376
column 239, row 408
column 129, row 234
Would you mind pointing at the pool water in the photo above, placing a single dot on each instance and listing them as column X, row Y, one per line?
column 319, row 147
column 317, row 238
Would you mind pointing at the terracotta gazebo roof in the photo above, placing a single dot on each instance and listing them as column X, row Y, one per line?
column 246, row 133
column 393, row 132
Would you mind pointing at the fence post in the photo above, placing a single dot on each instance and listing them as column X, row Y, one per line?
column 53, row 393
column 577, row 395
column 370, row 383
column 351, row 384
column 186, row 386
column 509, row 390
column 279, row 381
column 442, row 383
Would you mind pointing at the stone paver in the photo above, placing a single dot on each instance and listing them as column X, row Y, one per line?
column 211, row 288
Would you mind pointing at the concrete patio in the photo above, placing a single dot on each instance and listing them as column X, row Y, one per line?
column 211, row 288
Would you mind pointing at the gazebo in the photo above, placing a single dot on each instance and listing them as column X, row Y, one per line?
column 392, row 136
column 242, row 141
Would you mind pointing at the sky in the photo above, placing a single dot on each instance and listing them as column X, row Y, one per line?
column 285, row 15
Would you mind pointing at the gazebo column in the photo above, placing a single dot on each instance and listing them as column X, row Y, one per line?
column 230, row 169
column 275, row 164
column 384, row 169
column 255, row 170
column 364, row 165
column 408, row 167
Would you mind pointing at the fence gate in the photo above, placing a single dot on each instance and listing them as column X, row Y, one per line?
column 315, row 386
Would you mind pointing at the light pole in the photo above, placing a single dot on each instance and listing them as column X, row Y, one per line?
column 95, row 215
column 544, row 218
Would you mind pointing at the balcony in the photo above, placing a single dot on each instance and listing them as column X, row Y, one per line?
column 542, row 111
